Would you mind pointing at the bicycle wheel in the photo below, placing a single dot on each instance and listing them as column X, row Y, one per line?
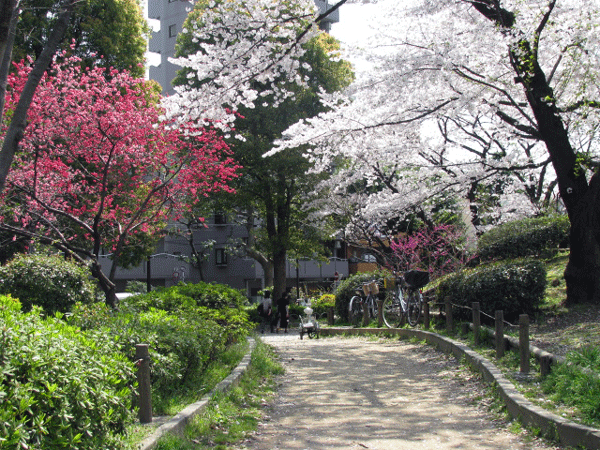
column 415, row 299
column 355, row 310
column 372, row 302
column 392, row 311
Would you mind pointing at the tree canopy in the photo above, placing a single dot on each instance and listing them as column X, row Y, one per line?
column 111, row 33
column 98, row 171
column 468, row 97
column 271, row 193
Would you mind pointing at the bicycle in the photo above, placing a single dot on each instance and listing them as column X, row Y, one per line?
column 405, row 299
column 355, row 307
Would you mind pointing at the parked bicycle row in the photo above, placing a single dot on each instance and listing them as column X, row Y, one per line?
column 403, row 301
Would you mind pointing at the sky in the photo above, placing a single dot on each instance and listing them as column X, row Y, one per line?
column 353, row 27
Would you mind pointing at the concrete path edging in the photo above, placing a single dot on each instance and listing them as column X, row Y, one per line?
column 177, row 423
column 550, row 425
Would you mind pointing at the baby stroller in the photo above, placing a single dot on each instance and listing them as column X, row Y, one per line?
column 309, row 324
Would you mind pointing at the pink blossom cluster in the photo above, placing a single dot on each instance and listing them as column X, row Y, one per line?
column 96, row 162
column 440, row 250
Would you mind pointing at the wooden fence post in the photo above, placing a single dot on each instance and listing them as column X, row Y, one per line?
column 524, row 342
column 426, row 315
column 476, row 322
column 142, row 356
column 449, row 321
column 499, row 334
column 545, row 364
column 365, row 314
column 379, row 313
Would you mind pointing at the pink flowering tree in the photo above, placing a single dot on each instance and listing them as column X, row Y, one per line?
column 439, row 250
column 98, row 171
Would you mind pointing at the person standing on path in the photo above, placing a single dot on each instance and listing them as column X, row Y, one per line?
column 283, row 311
column 266, row 312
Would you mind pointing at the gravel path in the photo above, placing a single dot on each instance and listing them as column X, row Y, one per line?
column 357, row 393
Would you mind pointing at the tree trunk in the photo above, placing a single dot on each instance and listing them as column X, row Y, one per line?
column 8, row 24
column 15, row 131
column 279, row 274
column 581, row 200
column 583, row 269
column 107, row 286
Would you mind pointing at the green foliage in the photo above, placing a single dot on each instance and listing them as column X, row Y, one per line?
column 215, row 296
column 277, row 189
column 528, row 237
column 183, row 337
column 515, row 287
column 114, row 29
column 51, row 282
column 322, row 304
column 347, row 289
column 61, row 388
column 576, row 383
column 136, row 287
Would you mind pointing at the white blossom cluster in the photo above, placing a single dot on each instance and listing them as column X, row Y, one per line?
column 437, row 108
column 244, row 44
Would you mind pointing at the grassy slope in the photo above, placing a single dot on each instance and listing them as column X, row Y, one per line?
column 558, row 328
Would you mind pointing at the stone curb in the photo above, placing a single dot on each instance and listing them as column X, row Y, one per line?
column 177, row 423
column 551, row 425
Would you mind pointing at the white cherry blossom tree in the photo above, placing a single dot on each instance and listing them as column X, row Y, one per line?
column 463, row 92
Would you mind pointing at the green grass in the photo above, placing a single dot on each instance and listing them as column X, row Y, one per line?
column 230, row 417
column 556, row 289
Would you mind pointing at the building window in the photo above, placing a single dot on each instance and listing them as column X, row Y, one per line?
column 220, row 218
column 173, row 30
column 220, row 257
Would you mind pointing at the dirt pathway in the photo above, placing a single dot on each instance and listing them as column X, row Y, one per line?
column 360, row 394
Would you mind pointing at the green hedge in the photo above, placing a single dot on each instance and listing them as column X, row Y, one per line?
column 322, row 304
column 51, row 282
column 528, row 237
column 215, row 296
column 183, row 337
column 347, row 289
column 60, row 388
column 515, row 287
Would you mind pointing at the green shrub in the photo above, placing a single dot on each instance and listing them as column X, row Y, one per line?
column 51, row 282
column 183, row 338
column 322, row 304
column 515, row 287
column 216, row 296
column 347, row 289
column 528, row 237
column 296, row 309
column 61, row 388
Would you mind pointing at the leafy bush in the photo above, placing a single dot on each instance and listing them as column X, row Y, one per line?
column 61, row 388
column 322, row 304
column 515, row 287
column 183, row 338
column 347, row 289
column 215, row 296
column 51, row 282
column 528, row 237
